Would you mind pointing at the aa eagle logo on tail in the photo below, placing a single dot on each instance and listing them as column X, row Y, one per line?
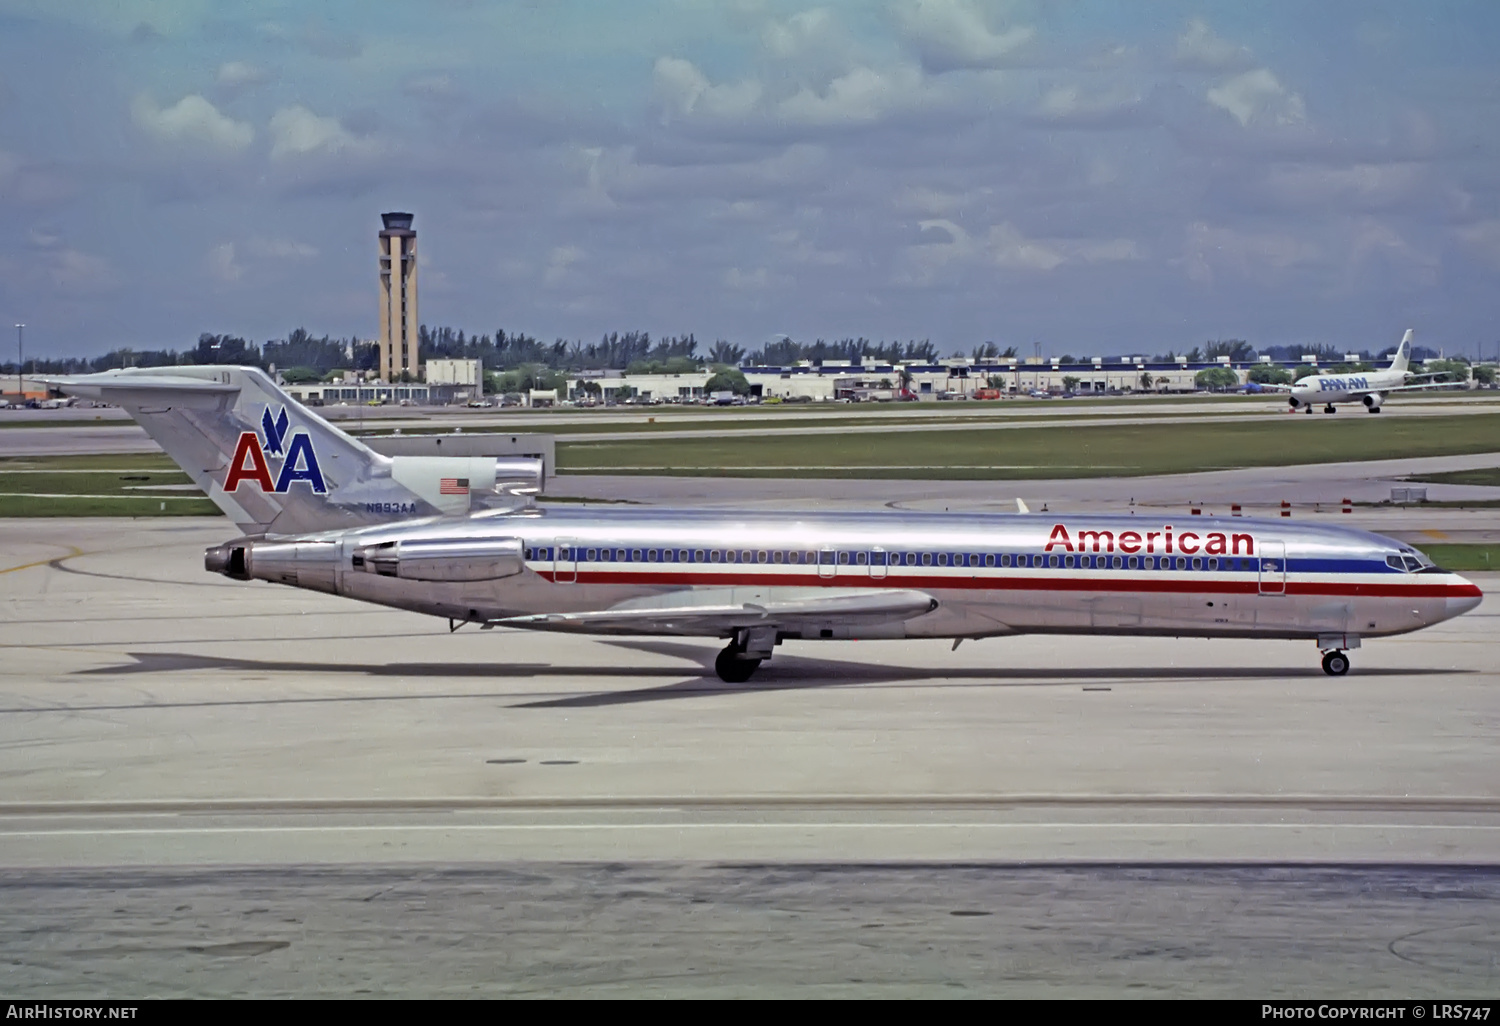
column 293, row 447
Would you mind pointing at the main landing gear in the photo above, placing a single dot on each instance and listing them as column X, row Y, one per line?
column 743, row 655
column 734, row 668
column 1330, row 408
column 1335, row 664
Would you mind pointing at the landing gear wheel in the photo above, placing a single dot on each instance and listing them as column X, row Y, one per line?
column 1373, row 409
column 731, row 668
column 1335, row 664
column 1330, row 408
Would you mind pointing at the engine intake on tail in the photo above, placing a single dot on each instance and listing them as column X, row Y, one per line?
column 458, row 484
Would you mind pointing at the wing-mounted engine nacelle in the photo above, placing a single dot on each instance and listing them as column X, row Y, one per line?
column 458, row 484
column 443, row 559
column 1373, row 400
column 1297, row 404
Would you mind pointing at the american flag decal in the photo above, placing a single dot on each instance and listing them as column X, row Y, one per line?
column 454, row 486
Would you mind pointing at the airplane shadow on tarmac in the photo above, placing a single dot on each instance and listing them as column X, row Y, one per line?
column 787, row 672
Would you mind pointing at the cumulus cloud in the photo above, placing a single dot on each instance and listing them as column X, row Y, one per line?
column 1198, row 48
column 1075, row 104
column 235, row 76
column 192, row 120
column 298, row 132
column 685, row 90
column 862, row 95
column 943, row 242
column 1257, row 97
column 953, row 34
column 1258, row 255
column 1358, row 185
column 793, row 37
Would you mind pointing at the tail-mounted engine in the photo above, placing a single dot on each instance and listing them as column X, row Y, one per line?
column 455, row 559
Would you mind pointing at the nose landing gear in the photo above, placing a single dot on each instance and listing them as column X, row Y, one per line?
column 1335, row 664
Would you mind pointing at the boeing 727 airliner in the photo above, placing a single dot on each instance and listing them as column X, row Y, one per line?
column 461, row 538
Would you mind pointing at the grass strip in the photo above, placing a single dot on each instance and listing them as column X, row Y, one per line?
column 1489, row 476
column 1052, row 451
column 1464, row 557
column 106, row 506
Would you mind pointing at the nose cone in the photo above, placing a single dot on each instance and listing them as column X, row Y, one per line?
column 1462, row 596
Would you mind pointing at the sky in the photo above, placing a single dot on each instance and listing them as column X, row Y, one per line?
column 1083, row 176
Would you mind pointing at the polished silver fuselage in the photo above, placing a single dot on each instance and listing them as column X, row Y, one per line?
column 988, row 574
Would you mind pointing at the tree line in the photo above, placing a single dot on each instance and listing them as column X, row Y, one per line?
column 303, row 357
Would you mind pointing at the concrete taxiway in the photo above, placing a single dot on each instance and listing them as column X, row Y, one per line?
column 224, row 788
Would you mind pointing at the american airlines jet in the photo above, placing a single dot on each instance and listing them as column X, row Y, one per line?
column 461, row 538
column 1369, row 387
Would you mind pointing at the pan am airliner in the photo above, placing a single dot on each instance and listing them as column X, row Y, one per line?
column 461, row 538
column 1367, row 387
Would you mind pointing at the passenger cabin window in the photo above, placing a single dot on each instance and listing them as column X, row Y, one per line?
column 926, row 559
column 989, row 559
column 1131, row 562
column 862, row 558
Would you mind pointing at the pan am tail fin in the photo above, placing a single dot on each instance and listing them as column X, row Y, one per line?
column 1402, row 359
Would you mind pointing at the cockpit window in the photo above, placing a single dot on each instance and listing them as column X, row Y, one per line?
column 1409, row 562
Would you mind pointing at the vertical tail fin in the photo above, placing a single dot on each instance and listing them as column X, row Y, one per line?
column 1402, row 359
column 270, row 464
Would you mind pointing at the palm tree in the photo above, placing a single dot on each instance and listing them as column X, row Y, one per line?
column 1147, row 381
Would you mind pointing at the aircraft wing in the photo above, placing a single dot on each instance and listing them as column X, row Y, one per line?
column 1450, row 385
column 1263, row 387
column 724, row 610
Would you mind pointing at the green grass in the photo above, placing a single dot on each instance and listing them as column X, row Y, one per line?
column 1464, row 557
column 109, row 506
column 1052, row 451
column 1483, row 476
column 105, row 482
column 78, row 486
column 123, row 462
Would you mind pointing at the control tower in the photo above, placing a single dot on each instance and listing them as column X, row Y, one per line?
column 398, row 298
